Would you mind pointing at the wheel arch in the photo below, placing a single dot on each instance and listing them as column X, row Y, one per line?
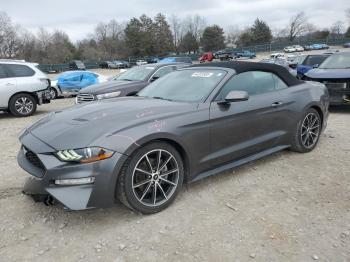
column 24, row 92
column 319, row 111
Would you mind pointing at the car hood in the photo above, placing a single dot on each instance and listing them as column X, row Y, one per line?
column 319, row 73
column 81, row 125
column 111, row 86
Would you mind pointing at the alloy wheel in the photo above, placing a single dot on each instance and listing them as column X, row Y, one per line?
column 24, row 105
column 310, row 130
column 155, row 177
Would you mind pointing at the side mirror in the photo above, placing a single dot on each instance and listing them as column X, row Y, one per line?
column 154, row 78
column 236, row 96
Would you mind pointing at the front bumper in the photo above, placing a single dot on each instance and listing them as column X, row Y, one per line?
column 46, row 168
column 43, row 96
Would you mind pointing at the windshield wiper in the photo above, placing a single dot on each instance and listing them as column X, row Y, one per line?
column 162, row 98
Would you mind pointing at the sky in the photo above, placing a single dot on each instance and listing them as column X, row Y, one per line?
column 78, row 18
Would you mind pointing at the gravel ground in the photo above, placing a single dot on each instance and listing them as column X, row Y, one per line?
column 286, row 207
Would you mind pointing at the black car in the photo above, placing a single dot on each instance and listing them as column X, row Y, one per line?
column 193, row 123
column 127, row 83
column 334, row 72
column 77, row 65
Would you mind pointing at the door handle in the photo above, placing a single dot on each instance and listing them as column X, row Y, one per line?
column 10, row 84
column 276, row 104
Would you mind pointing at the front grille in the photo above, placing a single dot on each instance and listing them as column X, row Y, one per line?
column 33, row 159
column 82, row 98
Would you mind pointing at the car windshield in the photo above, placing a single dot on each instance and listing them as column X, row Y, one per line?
column 192, row 85
column 340, row 61
column 139, row 73
column 314, row 60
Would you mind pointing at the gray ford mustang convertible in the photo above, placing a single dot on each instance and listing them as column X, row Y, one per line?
column 190, row 124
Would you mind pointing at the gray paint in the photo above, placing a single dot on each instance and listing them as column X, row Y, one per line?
column 214, row 137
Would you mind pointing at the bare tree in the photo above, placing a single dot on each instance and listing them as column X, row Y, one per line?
column 337, row 28
column 297, row 26
column 347, row 14
column 232, row 35
column 175, row 25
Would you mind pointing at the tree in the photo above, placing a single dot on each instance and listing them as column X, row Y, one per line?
column 213, row 38
column 245, row 38
column 260, row 32
column 347, row 33
column 175, row 24
column 9, row 38
column 337, row 29
column 189, row 43
column 163, row 35
column 297, row 26
column 232, row 36
column 347, row 14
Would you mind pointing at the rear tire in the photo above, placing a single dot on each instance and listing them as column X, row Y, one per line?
column 308, row 132
column 22, row 105
column 151, row 178
column 53, row 93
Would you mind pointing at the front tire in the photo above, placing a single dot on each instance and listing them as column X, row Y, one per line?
column 22, row 105
column 308, row 132
column 151, row 178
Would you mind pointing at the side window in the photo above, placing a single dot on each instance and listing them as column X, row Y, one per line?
column 19, row 70
column 164, row 71
column 3, row 73
column 253, row 82
column 279, row 83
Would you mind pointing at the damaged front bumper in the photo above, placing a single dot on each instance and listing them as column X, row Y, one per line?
column 37, row 158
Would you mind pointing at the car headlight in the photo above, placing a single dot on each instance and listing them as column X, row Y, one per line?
column 108, row 95
column 84, row 155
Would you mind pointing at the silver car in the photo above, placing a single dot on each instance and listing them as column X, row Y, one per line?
column 22, row 87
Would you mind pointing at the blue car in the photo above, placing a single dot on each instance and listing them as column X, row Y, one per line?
column 244, row 53
column 334, row 72
column 69, row 83
column 307, row 62
column 182, row 59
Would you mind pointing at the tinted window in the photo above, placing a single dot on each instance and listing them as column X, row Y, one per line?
column 2, row 72
column 314, row 60
column 339, row 61
column 164, row 71
column 19, row 70
column 254, row 82
column 279, row 83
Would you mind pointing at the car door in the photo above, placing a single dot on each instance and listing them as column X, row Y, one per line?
column 24, row 78
column 8, row 85
column 240, row 129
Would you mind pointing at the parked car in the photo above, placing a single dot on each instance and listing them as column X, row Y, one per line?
column 289, row 49
column 346, row 45
column 206, row 57
column 190, row 124
column 119, row 64
column 317, row 47
column 70, row 83
column 244, row 53
column 281, row 62
column 77, row 65
column 307, row 62
column 141, row 62
column 126, row 64
column 180, row 59
column 277, row 55
column 298, row 48
column 107, row 65
column 152, row 59
column 128, row 83
column 22, row 87
column 334, row 72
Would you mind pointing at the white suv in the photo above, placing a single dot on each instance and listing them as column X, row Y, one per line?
column 22, row 87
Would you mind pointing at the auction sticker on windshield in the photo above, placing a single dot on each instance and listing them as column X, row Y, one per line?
column 202, row 74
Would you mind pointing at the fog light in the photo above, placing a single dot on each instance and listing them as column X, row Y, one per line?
column 75, row 181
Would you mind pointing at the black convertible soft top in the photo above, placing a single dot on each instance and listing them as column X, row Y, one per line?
column 241, row 67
